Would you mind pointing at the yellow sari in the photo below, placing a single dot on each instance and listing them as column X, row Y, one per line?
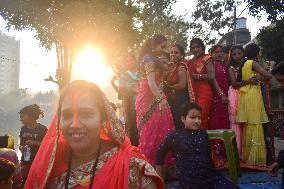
column 251, row 113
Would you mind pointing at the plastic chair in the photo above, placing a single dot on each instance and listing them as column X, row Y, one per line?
column 229, row 138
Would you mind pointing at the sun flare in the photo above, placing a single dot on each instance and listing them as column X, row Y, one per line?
column 90, row 65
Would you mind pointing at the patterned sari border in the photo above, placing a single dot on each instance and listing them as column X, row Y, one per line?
column 147, row 114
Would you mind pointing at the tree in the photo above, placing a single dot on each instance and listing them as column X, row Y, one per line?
column 156, row 17
column 212, row 19
column 114, row 26
column 271, row 39
column 274, row 8
column 70, row 24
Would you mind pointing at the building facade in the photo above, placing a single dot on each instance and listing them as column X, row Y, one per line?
column 9, row 63
column 241, row 35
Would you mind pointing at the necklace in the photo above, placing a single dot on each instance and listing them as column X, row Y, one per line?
column 93, row 170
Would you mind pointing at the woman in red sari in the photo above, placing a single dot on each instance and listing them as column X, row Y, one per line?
column 86, row 147
column 202, row 74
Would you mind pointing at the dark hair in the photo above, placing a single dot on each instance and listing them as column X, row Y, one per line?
column 214, row 47
column 190, row 106
column 83, row 87
column 150, row 43
column 234, row 47
column 32, row 111
column 199, row 42
column 4, row 141
column 251, row 51
column 180, row 48
column 7, row 169
column 227, row 48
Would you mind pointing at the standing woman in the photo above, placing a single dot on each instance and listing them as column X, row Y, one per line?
column 251, row 111
column 153, row 114
column 219, row 111
column 201, row 71
column 236, row 59
column 177, row 91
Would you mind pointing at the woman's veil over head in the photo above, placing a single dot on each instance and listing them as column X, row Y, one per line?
column 53, row 146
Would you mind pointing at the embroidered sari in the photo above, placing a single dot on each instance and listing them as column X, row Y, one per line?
column 121, row 166
column 152, row 124
column 202, row 90
column 179, row 97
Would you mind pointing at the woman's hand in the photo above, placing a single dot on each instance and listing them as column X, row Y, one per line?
column 253, row 81
column 224, row 99
column 273, row 169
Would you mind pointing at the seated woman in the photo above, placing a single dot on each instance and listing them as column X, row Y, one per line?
column 85, row 147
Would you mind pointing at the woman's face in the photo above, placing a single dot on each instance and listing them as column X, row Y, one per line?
column 237, row 55
column 80, row 121
column 161, row 48
column 196, row 49
column 175, row 54
column 218, row 54
column 26, row 119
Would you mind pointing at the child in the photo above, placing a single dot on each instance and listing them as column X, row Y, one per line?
column 7, row 169
column 251, row 112
column 191, row 149
column 31, row 135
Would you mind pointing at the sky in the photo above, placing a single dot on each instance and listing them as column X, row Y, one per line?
column 37, row 63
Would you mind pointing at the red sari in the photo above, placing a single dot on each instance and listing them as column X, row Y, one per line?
column 202, row 90
column 114, row 173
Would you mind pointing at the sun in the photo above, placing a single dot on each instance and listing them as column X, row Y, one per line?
column 90, row 65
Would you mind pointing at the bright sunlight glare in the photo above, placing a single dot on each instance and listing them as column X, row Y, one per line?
column 90, row 65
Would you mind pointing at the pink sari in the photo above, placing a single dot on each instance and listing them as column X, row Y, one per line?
column 153, row 125
column 233, row 95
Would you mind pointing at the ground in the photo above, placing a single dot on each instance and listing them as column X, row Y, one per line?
column 248, row 180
